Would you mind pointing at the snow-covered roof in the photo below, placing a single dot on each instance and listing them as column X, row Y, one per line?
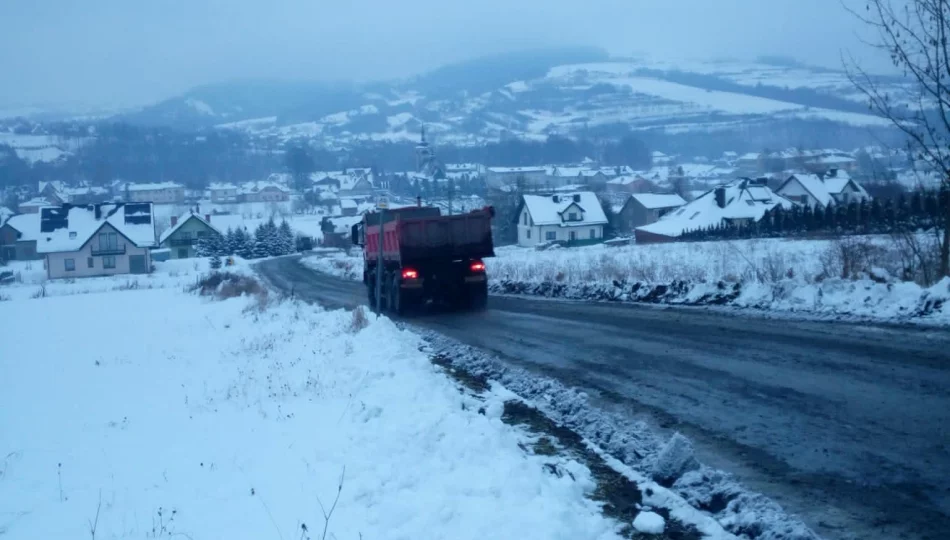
column 348, row 203
column 343, row 224
column 68, row 228
column 260, row 185
column 552, row 209
column 834, row 160
column 743, row 200
column 154, row 186
column 184, row 218
column 36, row 201
column 462, row 167
column 626, row 180
column 653, row 201
column 516, row 169
column 28, row 225
column 221, row 186
column 813, row 184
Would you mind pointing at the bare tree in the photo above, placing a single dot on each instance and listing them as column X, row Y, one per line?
column 915, row 36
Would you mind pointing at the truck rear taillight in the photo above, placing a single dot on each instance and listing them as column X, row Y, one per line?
column 409, row 273
column 477, row 266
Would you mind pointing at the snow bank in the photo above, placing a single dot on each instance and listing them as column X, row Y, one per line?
column 649, row 523
column 154, row 413
column 778, row 276
column 709, row 500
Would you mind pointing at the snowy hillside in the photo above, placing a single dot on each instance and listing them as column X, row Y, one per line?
column 531, row 101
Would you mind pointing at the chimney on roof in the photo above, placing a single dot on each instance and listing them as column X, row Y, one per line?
column 208, row 218
column 833, row 172
column 721, row 197
column 577, row 197
column 174, row 220
column 555, row 198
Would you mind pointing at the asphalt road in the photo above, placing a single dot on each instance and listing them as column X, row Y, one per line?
column 847, row 425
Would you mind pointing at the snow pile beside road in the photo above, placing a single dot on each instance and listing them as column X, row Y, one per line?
column 154, row 413
column 337, row 263
column 671, row 481
column 527, row 272
column 833, row 298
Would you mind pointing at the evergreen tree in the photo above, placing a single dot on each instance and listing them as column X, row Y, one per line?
column 808, row 218
column 287, row 241
column 204, row 247
column 220, row 245
column 245, row 244
column 230, row 241
column 260, row 246
column 215, row 262
column 830, row 221
column 818, row 218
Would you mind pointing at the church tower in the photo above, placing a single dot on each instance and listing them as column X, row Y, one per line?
column 424, row 152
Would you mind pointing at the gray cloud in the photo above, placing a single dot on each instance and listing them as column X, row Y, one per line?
column 129, row 52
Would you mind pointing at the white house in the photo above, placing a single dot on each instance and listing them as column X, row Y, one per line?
column 97, row 239
column 564, row 217
column 156, row 192
column 223, row 192
column 834, row 187
column 740, row 202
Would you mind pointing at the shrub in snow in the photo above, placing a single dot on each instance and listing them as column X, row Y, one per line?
column 215, row 262
column 675, row 459
column 649, row 523
column 224, row 285
column 359, row 320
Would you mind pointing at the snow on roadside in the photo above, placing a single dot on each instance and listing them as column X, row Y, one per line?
column 773, row 276
column 152, row 413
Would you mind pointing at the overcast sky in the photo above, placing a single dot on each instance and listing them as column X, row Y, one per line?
column 132, row 52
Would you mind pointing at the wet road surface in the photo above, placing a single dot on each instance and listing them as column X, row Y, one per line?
column 847, row 425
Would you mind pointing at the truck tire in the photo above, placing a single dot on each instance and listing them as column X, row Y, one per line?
column 370, row 281
column 477, row 298
column 398, row 304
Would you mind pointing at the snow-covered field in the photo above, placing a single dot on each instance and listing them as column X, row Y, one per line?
column 30, row 279
column 788, row 276
column 159, row 413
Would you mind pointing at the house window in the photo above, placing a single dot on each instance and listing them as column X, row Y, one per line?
column 182, row 253
column 70, row 264
column 525, row 218
column 108, row 240
column 573, row 235
column 529, row 233
column 550, row 235
column 108, row 262
column 572, row 216
column 90, row 262
column 803, row 199
column 593, row 234
column 72, row 235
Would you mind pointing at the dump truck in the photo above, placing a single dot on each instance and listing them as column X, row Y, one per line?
column 425, row 257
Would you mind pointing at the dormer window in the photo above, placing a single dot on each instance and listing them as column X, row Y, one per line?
column 572, row 216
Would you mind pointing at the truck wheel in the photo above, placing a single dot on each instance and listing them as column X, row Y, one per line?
column 397, row 304
column 371, row 297
column 478, row 299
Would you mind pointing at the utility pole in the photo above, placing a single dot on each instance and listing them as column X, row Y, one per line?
column 381, row 205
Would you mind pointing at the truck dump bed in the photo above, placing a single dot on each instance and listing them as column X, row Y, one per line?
column 421, row 234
